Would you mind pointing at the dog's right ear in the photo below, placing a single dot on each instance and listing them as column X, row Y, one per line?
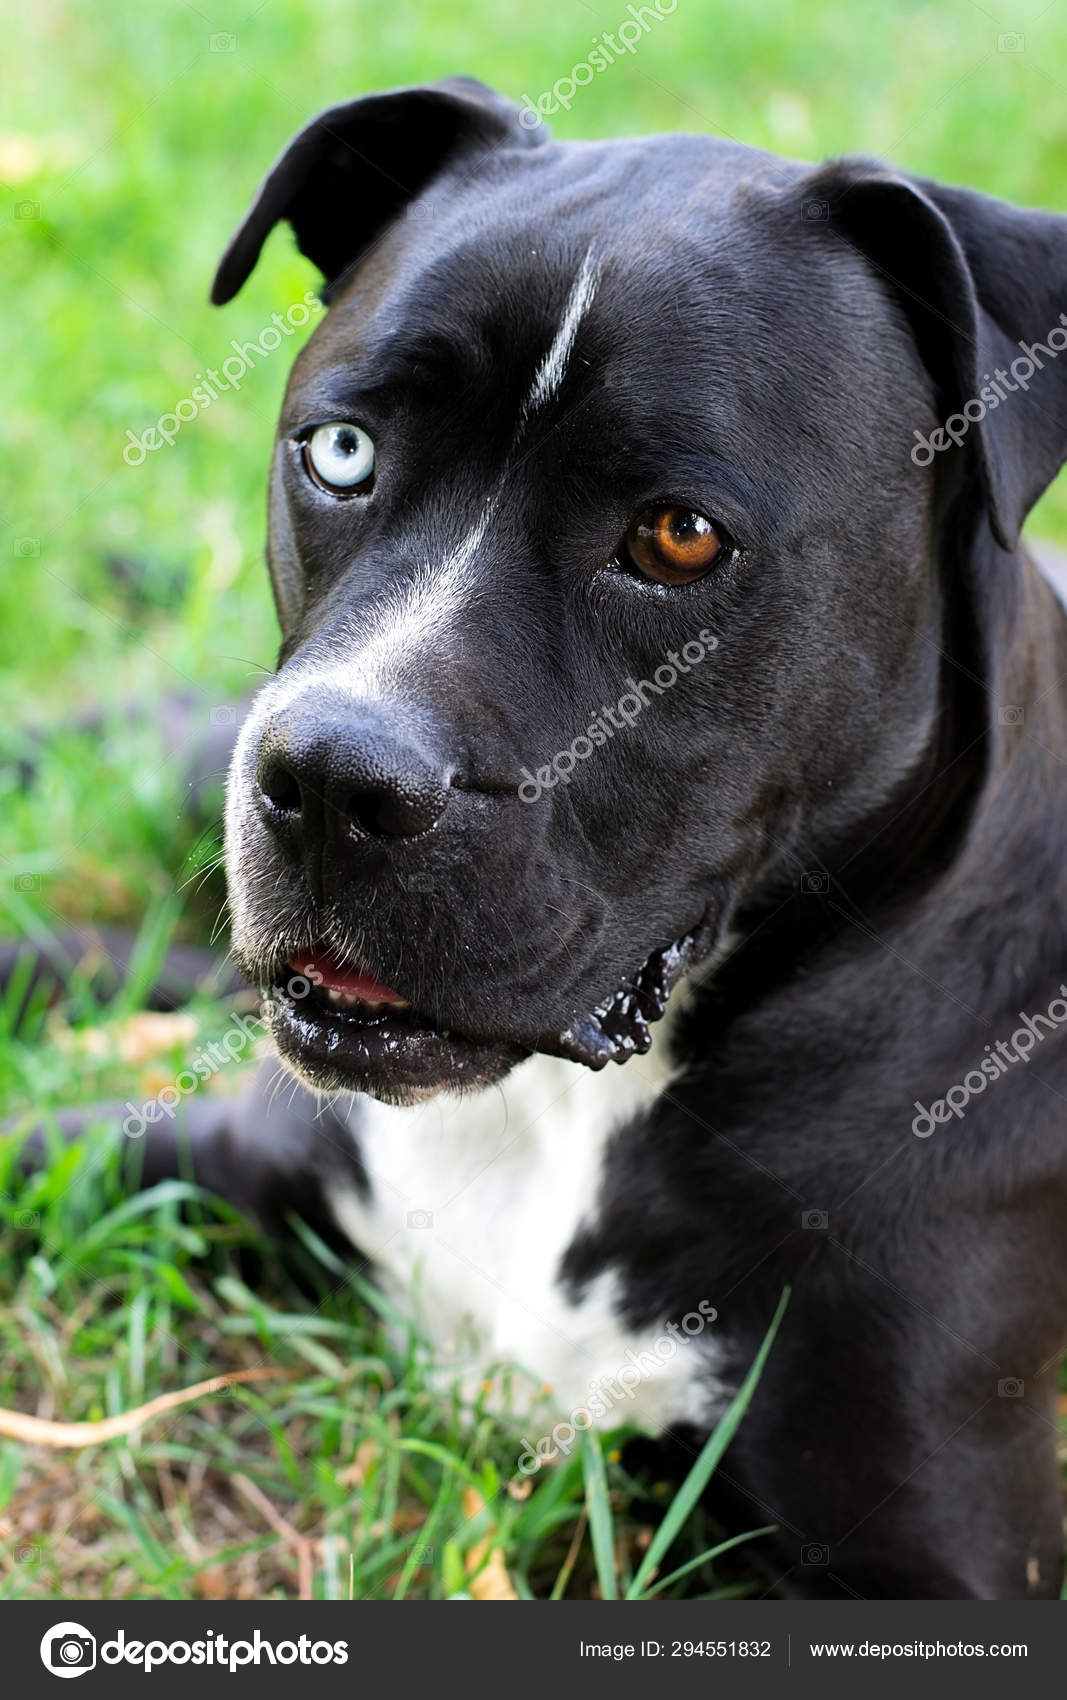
column 347, row 175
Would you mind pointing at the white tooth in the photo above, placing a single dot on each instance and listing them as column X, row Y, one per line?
column 334, row 996
column 401, row 1003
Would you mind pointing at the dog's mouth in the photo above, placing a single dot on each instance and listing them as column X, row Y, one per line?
column 621, row 1026
column 344, row 1029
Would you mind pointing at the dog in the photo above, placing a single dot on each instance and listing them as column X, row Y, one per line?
column 650, row 842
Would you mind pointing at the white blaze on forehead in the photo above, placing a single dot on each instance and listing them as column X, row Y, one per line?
column 553, row 366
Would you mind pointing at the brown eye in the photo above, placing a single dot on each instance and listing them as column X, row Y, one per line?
column 672, row 545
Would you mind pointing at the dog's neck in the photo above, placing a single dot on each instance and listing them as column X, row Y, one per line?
column 956, row 863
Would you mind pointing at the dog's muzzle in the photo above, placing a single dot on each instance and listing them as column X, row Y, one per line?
column 359, row 846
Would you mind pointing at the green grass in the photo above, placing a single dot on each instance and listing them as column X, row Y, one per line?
column 135, row 145
column 400, row 1491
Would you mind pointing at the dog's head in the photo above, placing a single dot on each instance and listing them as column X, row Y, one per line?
column 608, row 569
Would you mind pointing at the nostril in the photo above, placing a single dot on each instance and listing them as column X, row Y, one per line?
column 397, row 813
column 280, row 786
column 329, row 771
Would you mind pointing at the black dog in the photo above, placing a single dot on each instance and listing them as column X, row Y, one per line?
column 642, row 622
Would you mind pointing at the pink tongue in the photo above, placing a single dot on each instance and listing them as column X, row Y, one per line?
column 332, row 978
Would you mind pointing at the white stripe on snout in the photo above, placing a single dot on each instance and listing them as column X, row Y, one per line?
column 369, row 659
column 370, row 654
column 554, row 365
column 463, row 554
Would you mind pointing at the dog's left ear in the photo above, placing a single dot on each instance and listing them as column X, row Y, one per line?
column 345, row 177
column 985, row 286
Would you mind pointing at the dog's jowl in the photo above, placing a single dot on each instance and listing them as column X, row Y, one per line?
column 587, row 425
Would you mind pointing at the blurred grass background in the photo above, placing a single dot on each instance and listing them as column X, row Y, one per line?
column 130, row 142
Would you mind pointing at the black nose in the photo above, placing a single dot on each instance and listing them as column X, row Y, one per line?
column 333, row 769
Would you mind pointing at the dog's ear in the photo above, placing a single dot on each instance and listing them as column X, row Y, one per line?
column 354, row 167
column 985, row 286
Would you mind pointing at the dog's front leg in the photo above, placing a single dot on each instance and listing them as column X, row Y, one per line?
column 903, row 1454
column 272, row 1150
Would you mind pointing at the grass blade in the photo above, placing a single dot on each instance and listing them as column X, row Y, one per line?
column 712, row 1552
column 704, row 1468
column 601, row 1522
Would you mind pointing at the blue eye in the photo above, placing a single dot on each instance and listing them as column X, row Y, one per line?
column 340, row 457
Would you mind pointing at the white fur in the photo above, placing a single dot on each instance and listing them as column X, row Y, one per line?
column 385, row 644
column 473, row 1203
column 551, row 371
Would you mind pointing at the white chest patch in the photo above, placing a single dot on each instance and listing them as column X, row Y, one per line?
column 473, row 1203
